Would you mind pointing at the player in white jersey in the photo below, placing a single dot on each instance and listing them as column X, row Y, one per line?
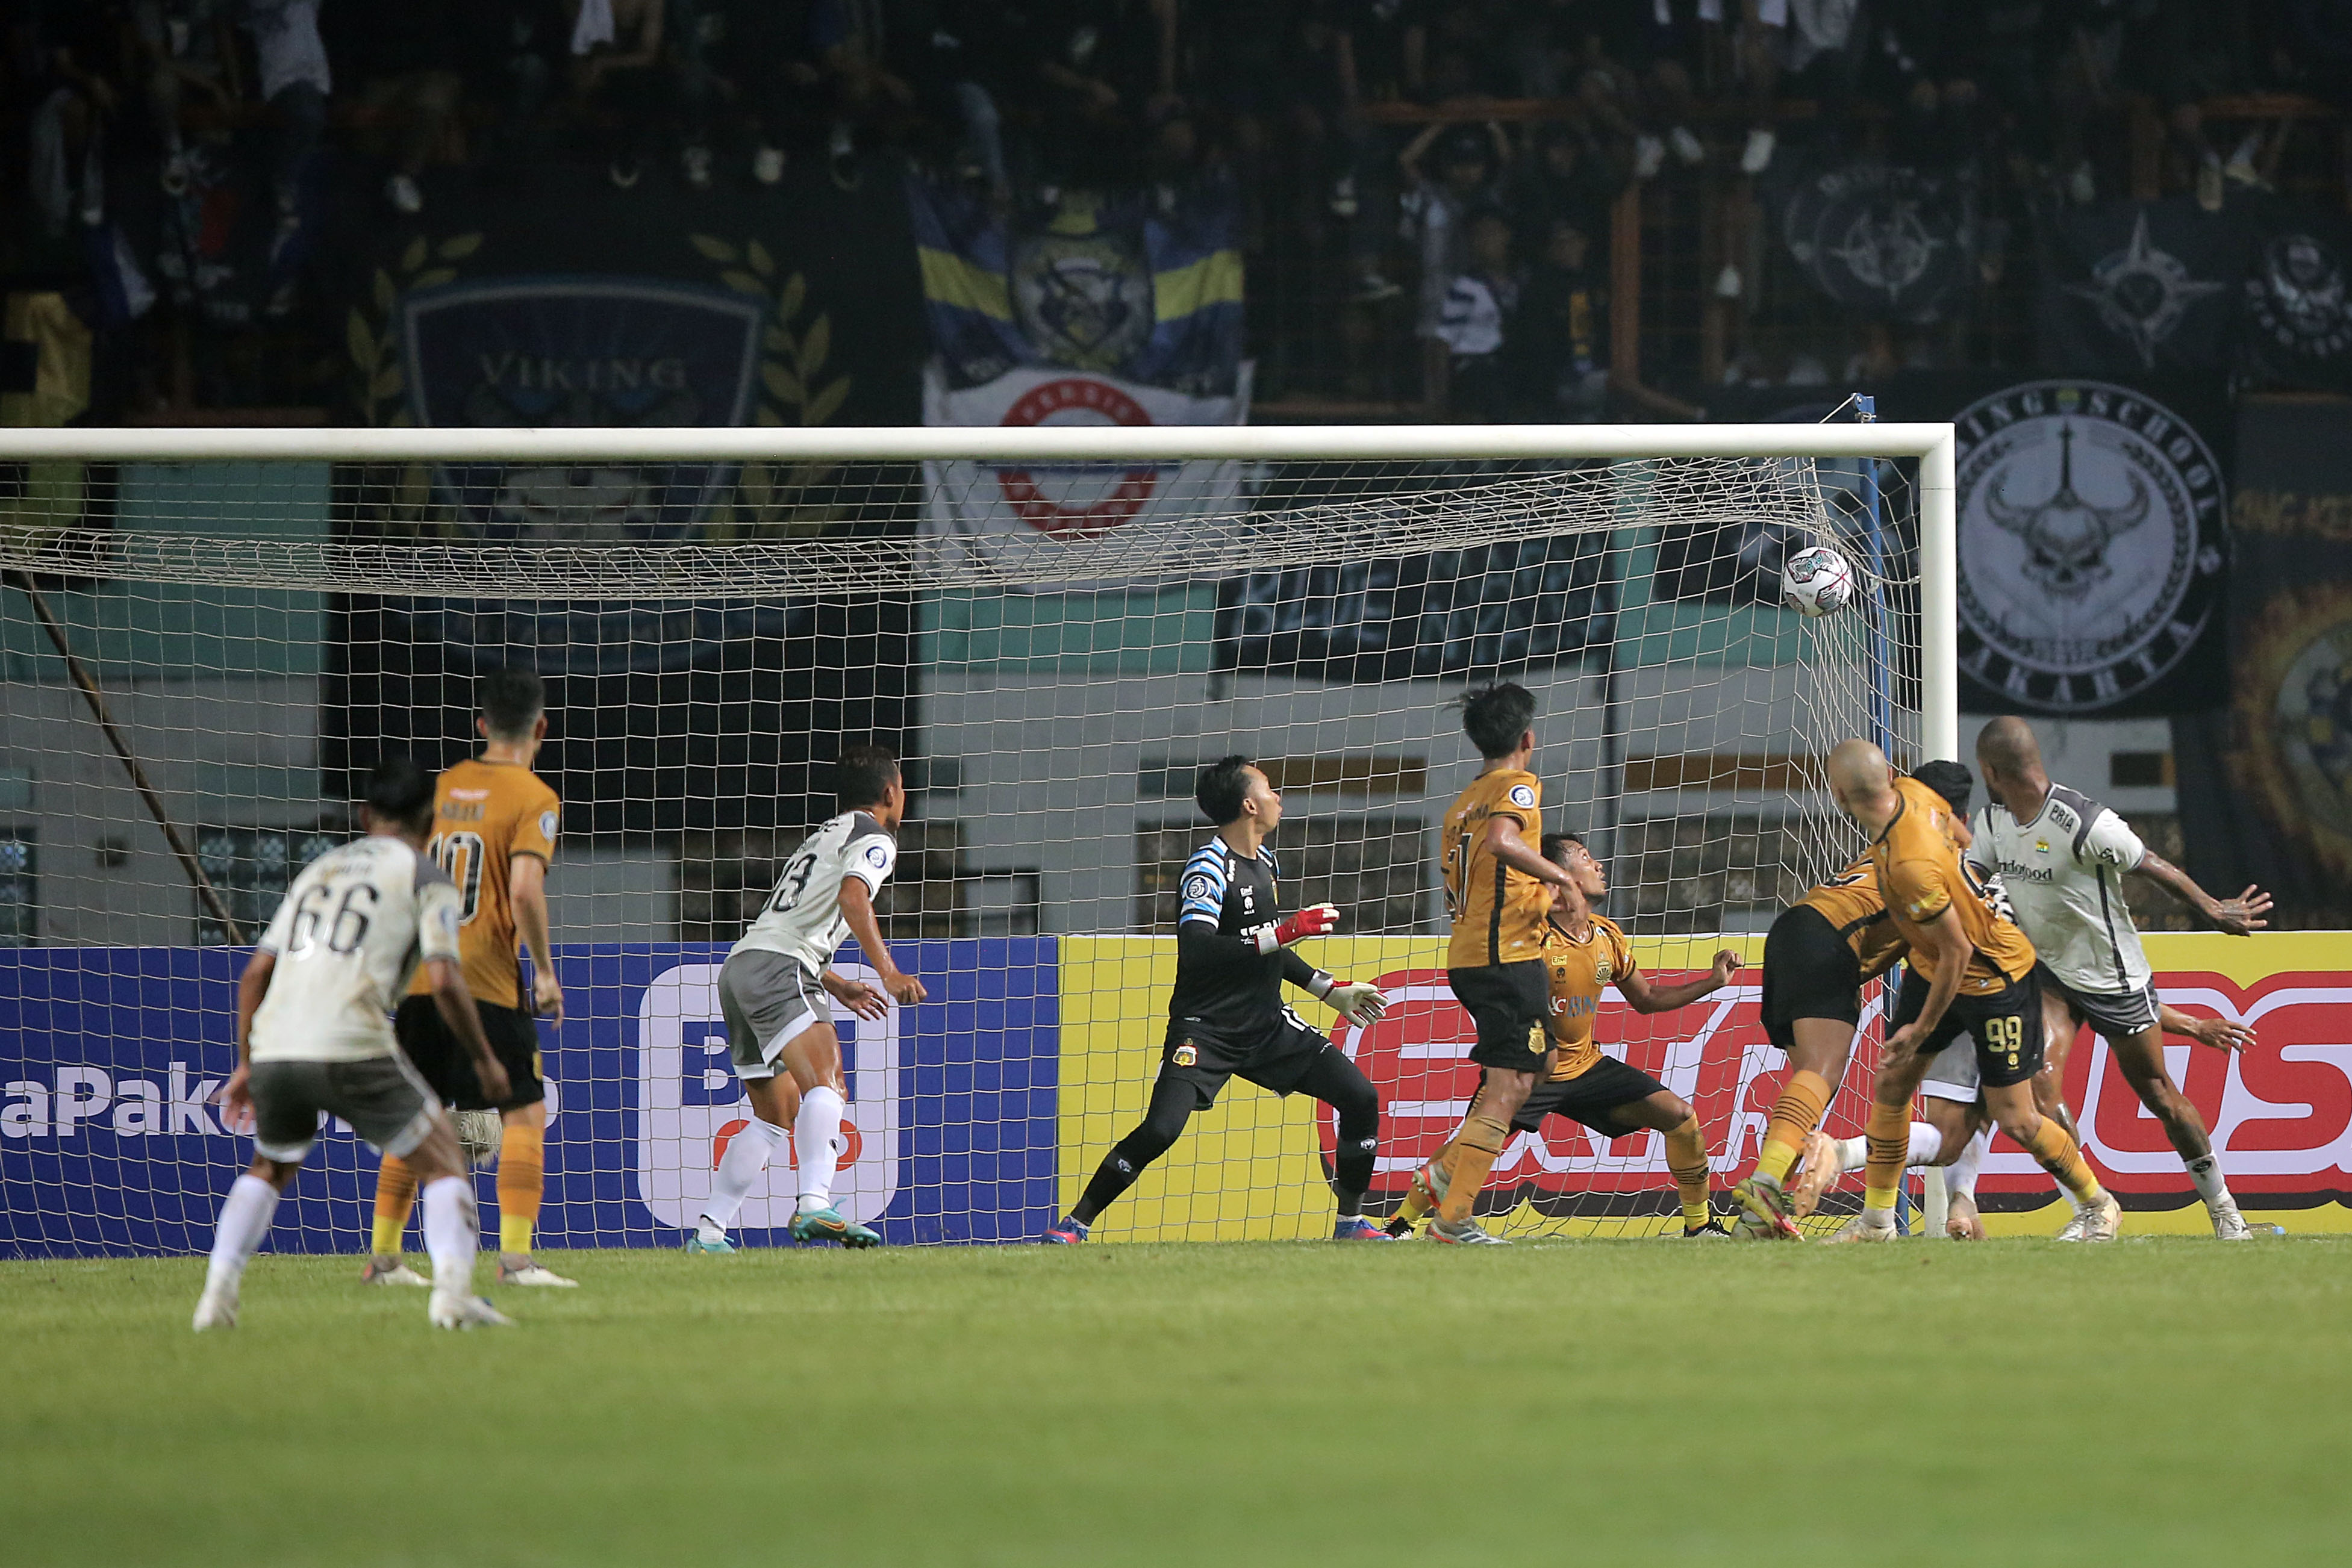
column 773, row 989
column 2062, row 856
column 314, row 1034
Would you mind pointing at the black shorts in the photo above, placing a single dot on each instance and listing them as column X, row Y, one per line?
column 2007, row 1051
column 1508, row 1002
column 1276, row 1059
column 427, row 1041
column 1810, row 972
column 1588, row 1099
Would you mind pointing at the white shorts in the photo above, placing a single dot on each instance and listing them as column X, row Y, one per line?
column 769, row 1001
column 1953, row 1074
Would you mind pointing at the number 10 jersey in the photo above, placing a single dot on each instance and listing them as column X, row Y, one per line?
column 802, row 919
column 485, row 814
column 348, row 933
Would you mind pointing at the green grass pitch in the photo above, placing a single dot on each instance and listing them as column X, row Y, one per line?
column 2166, row 1400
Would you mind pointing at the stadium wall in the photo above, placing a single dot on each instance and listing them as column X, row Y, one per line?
column 984, row 1109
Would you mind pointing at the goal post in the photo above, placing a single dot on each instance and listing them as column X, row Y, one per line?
column 1056, row 626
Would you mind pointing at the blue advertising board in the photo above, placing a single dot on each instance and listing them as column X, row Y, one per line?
column 112, row 1141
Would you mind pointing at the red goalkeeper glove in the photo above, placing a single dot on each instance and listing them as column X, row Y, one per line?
column 1315, row 921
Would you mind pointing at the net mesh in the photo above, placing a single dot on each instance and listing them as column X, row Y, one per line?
column 210, row 652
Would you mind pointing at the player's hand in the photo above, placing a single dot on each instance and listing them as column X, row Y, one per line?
column 1358, row 1002
column 2222, row 1034
column 490, row 1078
column 1902, row 1043
column 1728, row 964
column 2241, row 915
column 863, row 1000
column 236, row 1103
column 1312, row 921
column 905, row 989
column 547, row 996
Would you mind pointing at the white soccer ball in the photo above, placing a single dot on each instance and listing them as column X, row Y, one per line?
column 1816, row 582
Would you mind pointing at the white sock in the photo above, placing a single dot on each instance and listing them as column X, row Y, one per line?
column 244, row 1222
column 1926, row 1143
column 1853, row 1154
column 1960, row 1175
column 816, row 1137
column 453, row 1233
column 748, row 1153
column 2210, row 1187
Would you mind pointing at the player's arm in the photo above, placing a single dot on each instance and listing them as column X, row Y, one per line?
column 1504, row 839
column 527, row 895
column 857, row 908
column 2221, row 1034
column 1645, row 996
column 2238, row 916
column 1948, row 940
column 1358, row 1002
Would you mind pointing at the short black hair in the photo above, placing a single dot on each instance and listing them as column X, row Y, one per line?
column 1220, row 788
column 512, row 700
column 862, row 775
column 1555, row 847
column 1495, row 716
column 400, row 790
column 1949, row 780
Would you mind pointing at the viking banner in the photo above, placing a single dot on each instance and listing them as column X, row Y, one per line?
column 1886, row 244
column 2298, row 325
column 2137, row 289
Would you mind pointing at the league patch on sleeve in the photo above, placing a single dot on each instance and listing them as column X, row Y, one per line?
column 1201, row 889
column 878, row 857
column 546, row 821
column 1524, row 797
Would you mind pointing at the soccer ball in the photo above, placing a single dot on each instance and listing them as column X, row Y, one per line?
column 1816, row 582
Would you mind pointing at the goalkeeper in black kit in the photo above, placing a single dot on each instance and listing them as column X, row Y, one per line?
column 1226, row 1017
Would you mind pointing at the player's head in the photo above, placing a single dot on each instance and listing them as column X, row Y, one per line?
column 2008, row 753
column 1233, row 788
column 1499, row 719
column 1568, row 852
column 398, row 798
column 1860, row 780
column 514, row 705
column 1950, row 781
column 866, row 779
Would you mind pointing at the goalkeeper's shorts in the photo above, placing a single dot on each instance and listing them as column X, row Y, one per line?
column 1275, row 1059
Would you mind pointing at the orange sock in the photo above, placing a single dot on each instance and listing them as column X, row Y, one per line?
column 522, row 1171
column 1476, row 1147
column 1687, row 1157
column 2055, row 1149
column 395, row 1195
column 1889, row 1134
column 1795, row 1114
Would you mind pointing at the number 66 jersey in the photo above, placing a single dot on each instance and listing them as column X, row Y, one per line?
column 348, row 935
column 803, row 917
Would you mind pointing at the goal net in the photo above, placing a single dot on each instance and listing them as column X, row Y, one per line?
column 208, row 637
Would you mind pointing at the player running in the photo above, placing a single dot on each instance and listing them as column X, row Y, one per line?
column 2063, row 855
column 494, row 827
column 774, row 988
column 1226, row 1017
column 1971, row 972
column 312, row 1037
column 1584, row 953
column 1496, row 898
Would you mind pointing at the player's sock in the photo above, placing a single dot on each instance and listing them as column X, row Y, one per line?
column 1476, row 1147
column 1417, row 1203
column 2207, row 1174
column 1889, row 1134
column 748, row 1153
column 523, row 1173
column 1960, row 1175
column 816, row 1138
column 2058, row 1154
column 395, row 1195
column 1687, row 1157
column 453, row 1234
column 244, row 1221
column 1356, row 1145
column 1926, row 1143
column 1795, row 1114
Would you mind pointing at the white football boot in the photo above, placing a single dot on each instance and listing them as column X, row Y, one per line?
column 450, row 1310
column 1863, row 1227
column 215, row 1310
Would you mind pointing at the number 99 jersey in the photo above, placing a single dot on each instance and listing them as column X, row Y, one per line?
column 803, row 917
column 348, row 935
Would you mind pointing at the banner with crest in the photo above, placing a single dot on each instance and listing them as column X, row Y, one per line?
column 2139, row 288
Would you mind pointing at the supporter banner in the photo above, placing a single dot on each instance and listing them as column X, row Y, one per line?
column 2139, row 287
column 1144, row 285
column 1014, row 516
column 2298, row 326
column 110, row 1141
column 1886, row 244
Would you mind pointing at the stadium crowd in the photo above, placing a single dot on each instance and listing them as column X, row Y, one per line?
column 1458, row 157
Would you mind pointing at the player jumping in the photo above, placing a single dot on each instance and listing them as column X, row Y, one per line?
column 775, row 989
column 1971, row 972
column 313, row 1036
column 2062, row 856
column 1226, row 1017
column 494, row 827
column 1584, row 953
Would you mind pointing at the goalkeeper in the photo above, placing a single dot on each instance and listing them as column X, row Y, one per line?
column 1226, row 1017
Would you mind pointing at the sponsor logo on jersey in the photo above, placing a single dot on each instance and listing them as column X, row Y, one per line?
column 1523, row 796
column 2092, row 541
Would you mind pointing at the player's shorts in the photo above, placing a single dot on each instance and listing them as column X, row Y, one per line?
column 1953, row 1074
column 1589, row 1098
column 1508, row 1002
column 383, row 1098
column 1810, row 972
column 1275, row 1059
column 436, row 1053
column 2116, row 1015
column 2005, row 1027
column 769, row 1000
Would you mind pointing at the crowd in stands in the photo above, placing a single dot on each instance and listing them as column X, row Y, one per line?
column 1458, row 157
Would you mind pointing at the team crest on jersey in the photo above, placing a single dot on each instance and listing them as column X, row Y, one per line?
column 2092, row 543
column 2042, row 846
column 1523, row 796
column 1602, row 969
column 1185, row 1055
